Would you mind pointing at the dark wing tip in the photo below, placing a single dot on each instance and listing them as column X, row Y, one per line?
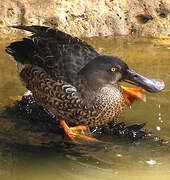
column 39, row 30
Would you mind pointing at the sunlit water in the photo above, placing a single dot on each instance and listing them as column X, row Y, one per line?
column 143, row 160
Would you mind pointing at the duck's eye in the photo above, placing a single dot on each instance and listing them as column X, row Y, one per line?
column 113, row 69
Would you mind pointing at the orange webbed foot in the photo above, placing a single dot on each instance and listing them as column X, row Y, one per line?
column 132, row 94
column 15, row 98
column 78, row 134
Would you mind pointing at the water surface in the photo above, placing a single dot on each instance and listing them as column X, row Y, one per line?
column 145, row 159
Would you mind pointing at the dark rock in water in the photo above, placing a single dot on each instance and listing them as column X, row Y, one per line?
column 33, row 112
column 89, row 18
column 132, row 133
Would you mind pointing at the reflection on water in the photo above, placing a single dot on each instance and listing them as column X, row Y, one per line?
column 145, row 159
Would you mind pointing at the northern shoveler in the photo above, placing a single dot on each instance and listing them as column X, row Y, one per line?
column 70, row 79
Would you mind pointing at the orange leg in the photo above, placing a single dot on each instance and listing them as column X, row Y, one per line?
column 132, row 94
column 78, row 133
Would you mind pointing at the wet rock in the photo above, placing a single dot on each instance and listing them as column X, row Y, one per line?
column 89, row 18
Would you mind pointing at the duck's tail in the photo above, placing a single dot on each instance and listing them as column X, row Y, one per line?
column 21, row 51
column 24, row 51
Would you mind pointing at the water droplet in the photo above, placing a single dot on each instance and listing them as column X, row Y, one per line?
column 156, row 138
column 119, row 155
column 151, row 162
column 105, row 147
column 158, row 128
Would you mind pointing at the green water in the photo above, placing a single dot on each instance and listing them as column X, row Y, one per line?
column 143, row 160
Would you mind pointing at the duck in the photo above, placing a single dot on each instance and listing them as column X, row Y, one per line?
column 72, row 80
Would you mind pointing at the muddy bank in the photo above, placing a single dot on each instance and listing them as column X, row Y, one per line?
column 89, row 18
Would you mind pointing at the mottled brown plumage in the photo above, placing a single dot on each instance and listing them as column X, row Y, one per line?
column 70, row 79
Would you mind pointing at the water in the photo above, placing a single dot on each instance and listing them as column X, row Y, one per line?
column 145, row 159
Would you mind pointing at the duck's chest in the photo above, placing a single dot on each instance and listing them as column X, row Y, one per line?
column 109, row 103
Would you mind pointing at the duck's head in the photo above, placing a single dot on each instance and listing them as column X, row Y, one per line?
column 105, row 70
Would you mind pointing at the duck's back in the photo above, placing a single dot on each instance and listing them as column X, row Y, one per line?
column 59, row 54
